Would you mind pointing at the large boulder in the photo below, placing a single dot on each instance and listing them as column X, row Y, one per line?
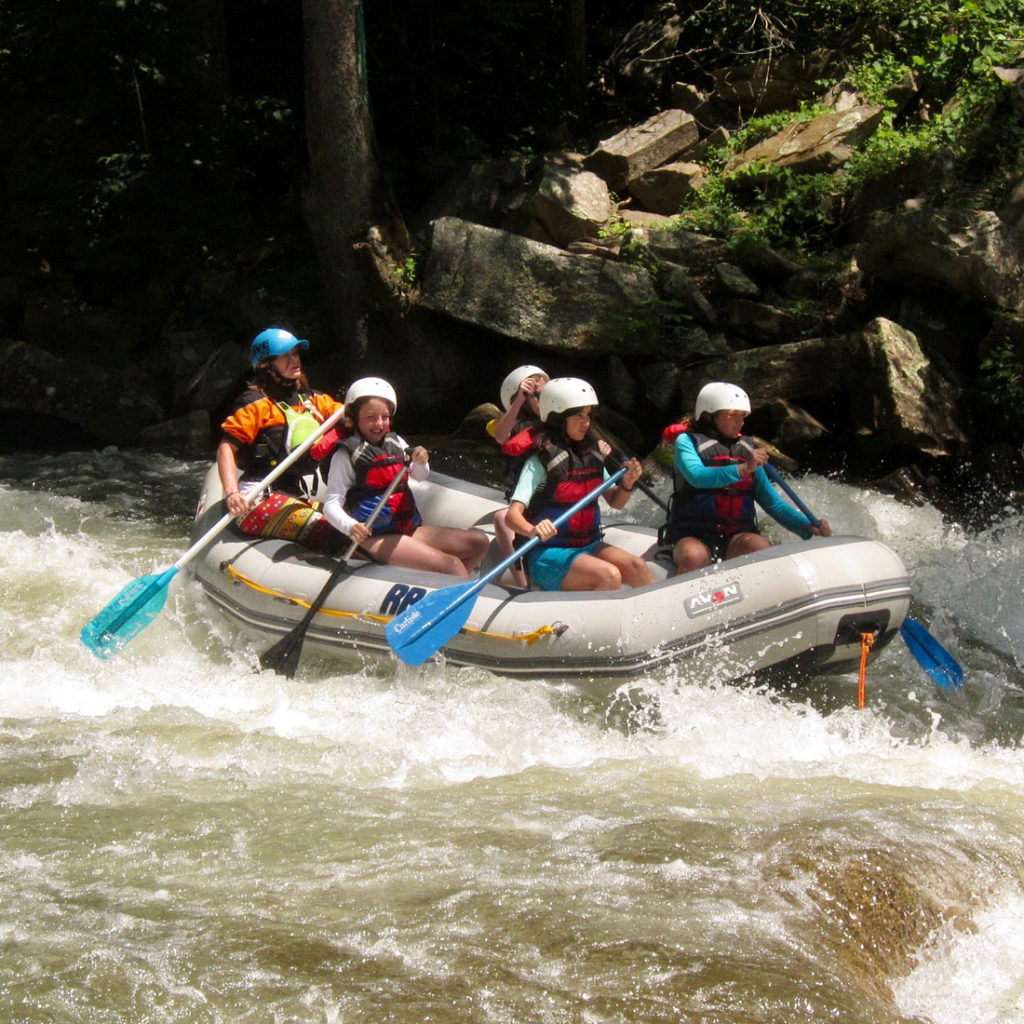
column 474, row 192
column 639, row 148
column 203, row 373
column 821, row 145
column 792, row 371
column 903, row 399
column 105, row 405
column 678, row 286
column 537, row 293
column 569, row 204
column 972, row 253
column 664, row 189
column 889, row 392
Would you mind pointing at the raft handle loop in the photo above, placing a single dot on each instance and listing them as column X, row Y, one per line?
column 867, row 641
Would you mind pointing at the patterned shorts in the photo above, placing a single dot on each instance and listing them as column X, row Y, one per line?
column 287, row 518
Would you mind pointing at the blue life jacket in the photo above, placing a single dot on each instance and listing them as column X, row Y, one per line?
column 718, row 511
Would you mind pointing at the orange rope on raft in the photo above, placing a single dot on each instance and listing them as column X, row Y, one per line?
column 867, row 641
column 530, row 638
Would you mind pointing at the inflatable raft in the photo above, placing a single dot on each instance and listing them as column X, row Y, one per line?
column 802, row 606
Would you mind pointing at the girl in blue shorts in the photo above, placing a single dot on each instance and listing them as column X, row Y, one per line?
column 567, row 464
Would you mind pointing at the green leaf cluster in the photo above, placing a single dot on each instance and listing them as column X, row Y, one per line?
column 960, row 132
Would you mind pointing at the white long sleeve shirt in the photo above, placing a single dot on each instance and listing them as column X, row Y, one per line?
column 340, row 478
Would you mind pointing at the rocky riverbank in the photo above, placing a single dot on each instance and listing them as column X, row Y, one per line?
column 866, row 361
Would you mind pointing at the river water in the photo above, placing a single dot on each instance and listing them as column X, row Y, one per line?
column 187, row 839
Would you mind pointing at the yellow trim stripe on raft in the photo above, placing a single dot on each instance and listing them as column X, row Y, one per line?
column 530, row 638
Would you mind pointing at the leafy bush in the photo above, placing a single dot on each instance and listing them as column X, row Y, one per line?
column 1001, row 385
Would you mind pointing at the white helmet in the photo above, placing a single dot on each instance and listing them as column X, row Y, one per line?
column 564, row 393
column 372, row 387
column 510, row 385
column 717, row 396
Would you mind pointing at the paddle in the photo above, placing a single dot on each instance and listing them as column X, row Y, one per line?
column 425, row 627
column 944, row 669
column 140, row 602
column 612, row 463
column 284, row 656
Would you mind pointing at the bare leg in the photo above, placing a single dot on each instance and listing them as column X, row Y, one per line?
column 690, row 554
column 633, row 569
column 588, row 572
column 410, row 553
column 469, row 546
column 745, row 544
column 504, row 535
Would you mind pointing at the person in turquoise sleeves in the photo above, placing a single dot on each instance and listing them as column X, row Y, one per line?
column 719, row 480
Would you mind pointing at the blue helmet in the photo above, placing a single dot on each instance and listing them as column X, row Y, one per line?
column 274, row 342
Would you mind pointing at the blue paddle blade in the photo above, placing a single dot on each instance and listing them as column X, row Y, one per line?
column 944, row 669
column 425, row 627
column 128, row 614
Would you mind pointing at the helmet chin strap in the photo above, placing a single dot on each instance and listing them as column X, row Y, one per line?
column 286, row 382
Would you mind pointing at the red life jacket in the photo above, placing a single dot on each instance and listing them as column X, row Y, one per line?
column 569, row 478
column 673, row 430
column 521, row 441
column 375, row 466
column 711, row 512
column 326, row 445
column 518, row 448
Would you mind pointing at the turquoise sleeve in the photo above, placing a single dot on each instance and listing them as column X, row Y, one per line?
column 781, row 511
column 706, row 478
column 530, row 479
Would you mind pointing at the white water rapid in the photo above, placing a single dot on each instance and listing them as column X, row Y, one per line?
column 186, row 839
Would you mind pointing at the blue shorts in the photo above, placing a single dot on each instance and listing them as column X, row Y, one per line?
column 547, row 566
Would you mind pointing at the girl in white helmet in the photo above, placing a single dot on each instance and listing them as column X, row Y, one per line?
column 520, row 398
column 516, row 432
column 718, row 480
column 362, row 466
column 275, row 414
column 566, row 465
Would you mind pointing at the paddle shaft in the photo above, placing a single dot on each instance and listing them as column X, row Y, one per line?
column 640, row 485
column 251, row 492
column 775, row 477
column 285, row 652
column 145, row 596
column 411, row 619
column 619, row 459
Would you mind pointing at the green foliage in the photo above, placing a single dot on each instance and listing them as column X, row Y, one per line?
column 1001, row 384
column 122, row 138
column 712, row 210
column 615, row 228
column 873, row 77
column 948, row 40
column 410, row 270
column 951, row 47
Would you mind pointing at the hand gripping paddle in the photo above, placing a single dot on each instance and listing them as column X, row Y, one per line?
column 140, row 602
column 425, row 627
column 944, row 669
column 283, row 657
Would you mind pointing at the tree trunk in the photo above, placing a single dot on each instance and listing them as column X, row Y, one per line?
column 344, row 197
column 576, row 37
column 205, row 23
